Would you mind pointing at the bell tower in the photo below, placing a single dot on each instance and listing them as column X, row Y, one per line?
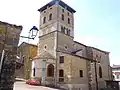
column 56, row 31
column 56, row 17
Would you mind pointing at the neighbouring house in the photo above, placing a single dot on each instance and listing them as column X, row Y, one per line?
column 9, row 39
column 26, row 52
column 116, row 72
column 63, row 62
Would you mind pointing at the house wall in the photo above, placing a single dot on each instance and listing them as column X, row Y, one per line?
column 27, row 52
column 103, row 61
column 71, row 67
column 78, row 46
column 50, row 42
column 64, row 41
column 116, row 74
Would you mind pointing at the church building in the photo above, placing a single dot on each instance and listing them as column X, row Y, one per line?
column 63, row 62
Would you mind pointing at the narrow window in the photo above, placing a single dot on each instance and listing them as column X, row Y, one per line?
column 68, row 13
column 63, row 17
column 63, row 10
column 33, row 71
column 81, row 73
column 61, row 59
column 100, row 72
column 61, row 75
column 68, row 20
column 44, row 20
column 50, row 16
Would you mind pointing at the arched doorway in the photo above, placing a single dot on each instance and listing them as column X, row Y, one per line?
column 50, row 70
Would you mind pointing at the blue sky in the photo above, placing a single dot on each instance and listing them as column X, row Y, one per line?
column 97, row 22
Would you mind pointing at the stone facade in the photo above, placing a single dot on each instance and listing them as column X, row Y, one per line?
column 9, row 39
column 72, row 67
column 102, row 60
column 63, row 62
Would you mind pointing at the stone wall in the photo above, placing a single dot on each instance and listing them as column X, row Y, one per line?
column 9, row 38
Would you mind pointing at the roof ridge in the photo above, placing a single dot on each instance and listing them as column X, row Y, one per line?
column 6, row 23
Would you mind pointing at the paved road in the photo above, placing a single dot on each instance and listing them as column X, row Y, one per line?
column 24, row 86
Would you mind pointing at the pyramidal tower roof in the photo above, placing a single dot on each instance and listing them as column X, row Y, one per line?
column 59, row 2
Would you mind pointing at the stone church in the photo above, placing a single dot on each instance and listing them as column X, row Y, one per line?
column 63, row 62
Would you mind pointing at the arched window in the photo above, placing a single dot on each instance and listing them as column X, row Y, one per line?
column 68, row 20
column 50, row 70
column 44, row 20
column 63, row 17
column 50, row 16
column 100, row 72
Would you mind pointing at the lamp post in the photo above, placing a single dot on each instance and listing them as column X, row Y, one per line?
column 32, row 33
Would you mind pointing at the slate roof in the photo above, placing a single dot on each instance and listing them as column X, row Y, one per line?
column 44, row 55
column 59, row 2
column 16, row 26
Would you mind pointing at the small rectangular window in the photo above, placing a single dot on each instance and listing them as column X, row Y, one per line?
column 61, row 59
column 61, row 73
column 81, row 73
column 68, row 20
column 63, row 17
